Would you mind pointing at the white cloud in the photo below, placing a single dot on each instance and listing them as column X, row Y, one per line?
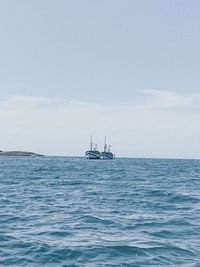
column 28, row 102
column 162, row 124
column 168, row 99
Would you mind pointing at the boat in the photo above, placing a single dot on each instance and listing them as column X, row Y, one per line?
column 107, row 154
column 93, row 152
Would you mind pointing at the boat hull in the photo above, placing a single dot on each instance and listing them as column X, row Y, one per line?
column 93, row 155
column 107, row 155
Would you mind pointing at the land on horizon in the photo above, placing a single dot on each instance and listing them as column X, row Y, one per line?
column 19, row 153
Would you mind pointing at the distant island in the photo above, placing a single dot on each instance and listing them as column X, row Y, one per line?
column 19, row 154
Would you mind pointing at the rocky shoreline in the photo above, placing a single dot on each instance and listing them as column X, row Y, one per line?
column 19, row 154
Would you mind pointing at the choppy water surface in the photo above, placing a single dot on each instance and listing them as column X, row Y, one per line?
column 74, row 212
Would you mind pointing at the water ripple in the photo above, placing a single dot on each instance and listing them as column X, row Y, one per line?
column 72, row 212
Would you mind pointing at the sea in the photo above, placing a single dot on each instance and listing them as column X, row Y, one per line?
column 62, row 211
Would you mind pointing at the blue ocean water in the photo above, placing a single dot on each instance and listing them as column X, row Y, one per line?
column 59, row 211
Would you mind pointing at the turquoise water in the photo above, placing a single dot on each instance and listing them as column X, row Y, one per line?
column 57, row 211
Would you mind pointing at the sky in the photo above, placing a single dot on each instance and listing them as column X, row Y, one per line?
column 125, row 69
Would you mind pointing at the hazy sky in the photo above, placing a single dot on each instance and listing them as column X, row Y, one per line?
column 126, row 69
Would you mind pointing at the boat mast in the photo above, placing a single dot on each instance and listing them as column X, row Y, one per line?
column 95, row 148
column 105, row 145
column 91, row 143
